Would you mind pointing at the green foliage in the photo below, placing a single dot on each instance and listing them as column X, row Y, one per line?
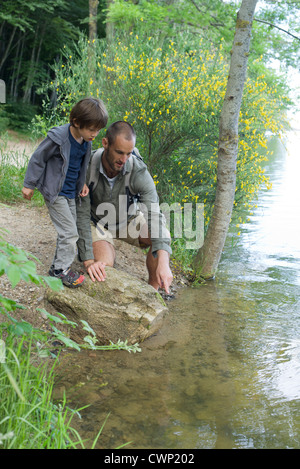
column 20, row 115
column 171, row 19
column 19, row 265
column 28, row 417
column 276, row 32
column 13, row 166
column 4, row 120
column 20, row 13
column 173, row 96
column 163, row 94
column 32, row 34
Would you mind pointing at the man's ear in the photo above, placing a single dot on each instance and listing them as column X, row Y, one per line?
column 105, row 143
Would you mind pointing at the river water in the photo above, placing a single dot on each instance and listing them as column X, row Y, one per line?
column 224, row 371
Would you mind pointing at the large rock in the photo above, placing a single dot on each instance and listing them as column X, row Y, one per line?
column 122, row 307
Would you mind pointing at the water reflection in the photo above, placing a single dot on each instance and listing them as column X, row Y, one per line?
column 224, row 371
column 274, row 231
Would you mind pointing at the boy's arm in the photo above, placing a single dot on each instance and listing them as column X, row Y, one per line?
column 37, row 163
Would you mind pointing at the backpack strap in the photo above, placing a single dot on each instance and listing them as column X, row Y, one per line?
column 128, row 174
column 135, row 154
column 94, row 169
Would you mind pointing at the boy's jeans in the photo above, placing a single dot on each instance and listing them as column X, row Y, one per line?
column 63, row 215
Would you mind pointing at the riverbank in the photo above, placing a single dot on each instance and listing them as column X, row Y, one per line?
column 30, row 228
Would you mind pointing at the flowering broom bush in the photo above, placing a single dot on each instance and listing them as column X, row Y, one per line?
column 173, row 96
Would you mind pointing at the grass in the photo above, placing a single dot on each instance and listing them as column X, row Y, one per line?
column 13, row 166
column 28, row 417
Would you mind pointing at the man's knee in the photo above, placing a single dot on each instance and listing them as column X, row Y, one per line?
column 104, row 252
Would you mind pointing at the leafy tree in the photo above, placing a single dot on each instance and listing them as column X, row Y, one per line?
column 173, row 96
column 26, row 49
column 207, row 259
column 276, row 32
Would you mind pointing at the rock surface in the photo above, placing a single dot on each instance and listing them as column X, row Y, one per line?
column 122, row 307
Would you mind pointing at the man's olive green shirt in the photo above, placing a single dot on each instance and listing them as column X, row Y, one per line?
column 92, row 207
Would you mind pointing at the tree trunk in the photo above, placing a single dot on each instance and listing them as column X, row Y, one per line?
column 109, row 26
column 34, row 61
column 19, row 58
column 93, row 8
column 8, row 47
column 207, row 259
column 28, row 84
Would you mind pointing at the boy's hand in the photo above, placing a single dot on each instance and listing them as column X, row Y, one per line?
column 85, row 191
column 27, row 193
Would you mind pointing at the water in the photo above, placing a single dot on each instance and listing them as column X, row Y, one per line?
column 224, row 371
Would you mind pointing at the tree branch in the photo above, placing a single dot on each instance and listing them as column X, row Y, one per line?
column 277, row 27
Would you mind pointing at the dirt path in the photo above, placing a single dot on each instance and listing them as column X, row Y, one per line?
column 12, row 141
column 31, row 230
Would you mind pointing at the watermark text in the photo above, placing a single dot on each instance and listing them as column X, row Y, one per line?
column 182, row 221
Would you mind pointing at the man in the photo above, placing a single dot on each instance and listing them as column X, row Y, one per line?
column 107, row 207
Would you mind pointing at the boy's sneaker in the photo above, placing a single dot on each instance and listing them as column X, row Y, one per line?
column 68, row 277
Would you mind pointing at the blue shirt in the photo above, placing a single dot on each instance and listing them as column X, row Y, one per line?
column 77, row 152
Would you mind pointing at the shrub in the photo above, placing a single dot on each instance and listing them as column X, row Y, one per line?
column 173, row 96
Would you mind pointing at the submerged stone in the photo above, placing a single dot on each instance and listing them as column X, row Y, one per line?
column 122, row 307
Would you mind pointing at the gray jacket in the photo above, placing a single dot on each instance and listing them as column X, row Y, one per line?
column 47, row 167
column 141, row 183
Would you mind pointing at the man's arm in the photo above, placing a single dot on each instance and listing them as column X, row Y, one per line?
column 84, row 243
column 159, row 234
column 163, row 272
column 142, row 183
column 95, row 269
column 37, row 164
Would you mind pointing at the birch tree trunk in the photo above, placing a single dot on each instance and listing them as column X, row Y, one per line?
column 207, row 258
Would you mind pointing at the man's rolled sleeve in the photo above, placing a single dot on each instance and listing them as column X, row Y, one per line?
column 159, row 234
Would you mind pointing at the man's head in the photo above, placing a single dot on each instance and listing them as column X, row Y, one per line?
column 120, row 128
column 118, row 143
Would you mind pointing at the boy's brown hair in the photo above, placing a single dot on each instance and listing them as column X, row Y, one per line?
column 89, row 112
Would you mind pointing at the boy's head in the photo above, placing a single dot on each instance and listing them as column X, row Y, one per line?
column 89, row 112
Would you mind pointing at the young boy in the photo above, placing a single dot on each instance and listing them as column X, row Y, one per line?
column 57, row 169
